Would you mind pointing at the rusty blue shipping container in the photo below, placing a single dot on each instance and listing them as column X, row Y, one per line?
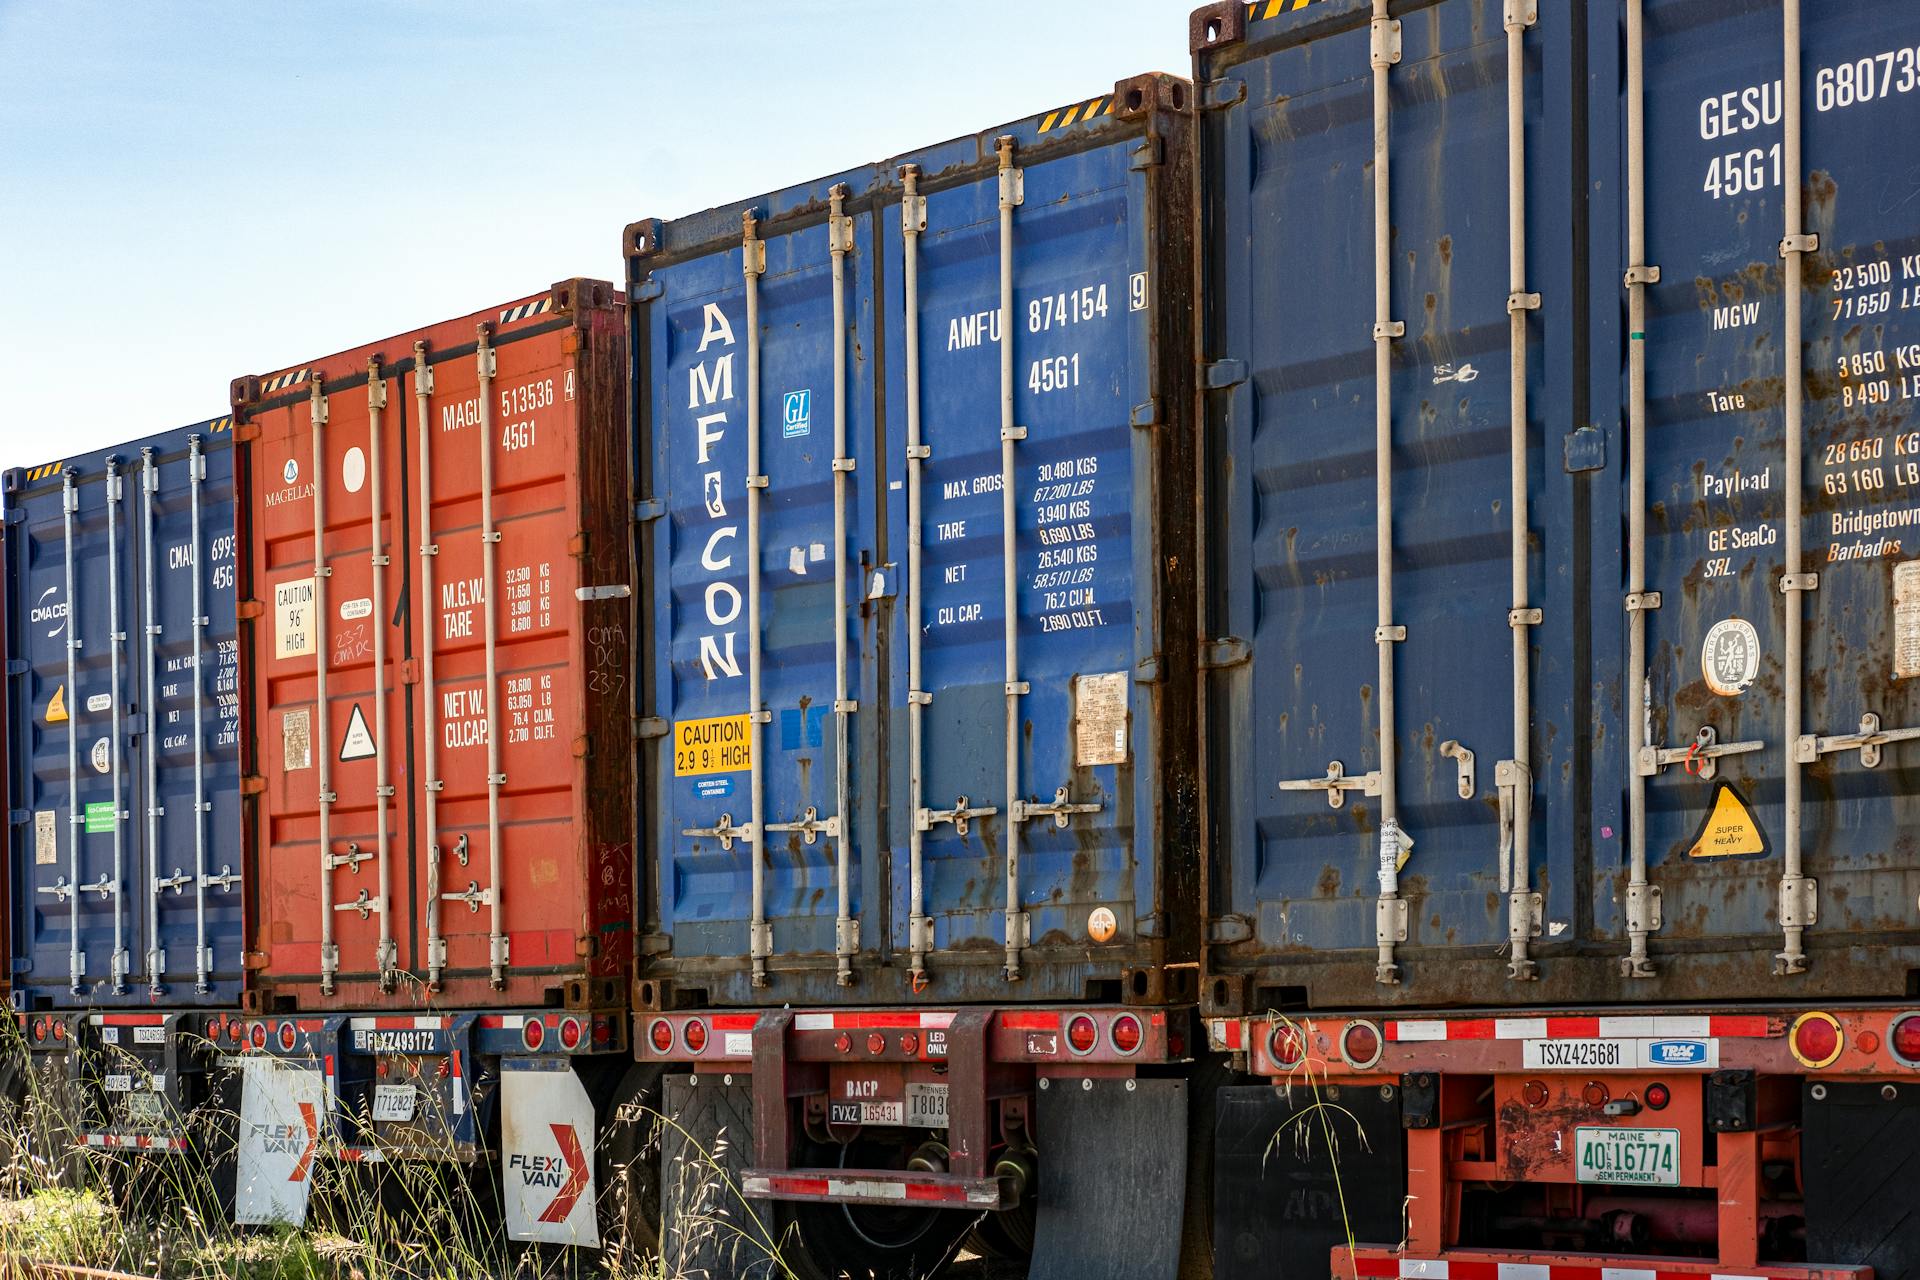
column 1523, row 689
column 122, row 726
column 914, row 475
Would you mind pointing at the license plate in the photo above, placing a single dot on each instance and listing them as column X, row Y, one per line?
column 927, row 1105
column 1628, row 1157
column 867, row 1112
column 117, row 1084
column 393, row 1101
column 144, row 1108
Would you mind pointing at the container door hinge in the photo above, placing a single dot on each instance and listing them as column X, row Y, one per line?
column 247, row 609
column 1584, row 449
column 18, row 666
column 1222, row 374
column 1151, row 925
column 1228, row 651
column 649, row 290
column 1336, row 784
column 648, row 509
column 1224, row 93
column 1150, row 153
column 656, row 944
column 1224, row 930
column 1146, row 414
column 651, row 727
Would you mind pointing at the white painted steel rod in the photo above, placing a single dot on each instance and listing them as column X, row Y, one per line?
column 489, row 540
column 845, row 931
column 913, row 220
column 116, row 637
column 760, row 936
column 431, row 622
column 203, row 952
column 1009, row 544
column 156, row 959
column 377, row 562
column 1520, row 966
column 321, row 739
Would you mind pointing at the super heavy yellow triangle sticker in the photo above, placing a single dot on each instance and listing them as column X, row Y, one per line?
column 1730, row 830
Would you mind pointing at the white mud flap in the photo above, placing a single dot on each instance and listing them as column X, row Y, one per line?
column 283, row 1112
column 546, row 1132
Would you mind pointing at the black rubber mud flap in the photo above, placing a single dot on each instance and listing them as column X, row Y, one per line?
column 1860, row 1158
column 1296, row 1175
column 708, row 1231
column 1112, row 1180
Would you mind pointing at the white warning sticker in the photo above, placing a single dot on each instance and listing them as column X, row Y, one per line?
column 293, row 620
column 282, row 1109
column 359, row 742
column 1906, row 620
column 296, row 739
column 1100, row 719
column 46, row 840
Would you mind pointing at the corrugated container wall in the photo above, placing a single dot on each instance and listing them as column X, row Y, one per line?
column 1784, row 644
column 436, row 665
column 918, row 584
column 123, row 724
column 1396, row 530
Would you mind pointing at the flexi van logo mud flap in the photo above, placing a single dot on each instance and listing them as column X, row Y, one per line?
column 282, row 1116
column 546, row 1129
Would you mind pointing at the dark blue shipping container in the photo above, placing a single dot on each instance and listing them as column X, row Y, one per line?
column 1671, row 859
column 123, row 721
column 1386, row 834
column 897, row 437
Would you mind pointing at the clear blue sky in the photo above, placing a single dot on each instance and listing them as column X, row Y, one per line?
column 192, row 191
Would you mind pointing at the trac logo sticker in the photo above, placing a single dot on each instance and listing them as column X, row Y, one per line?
column 1677, row 1053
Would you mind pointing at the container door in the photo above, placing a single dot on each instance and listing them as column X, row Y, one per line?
column 326, row 474
column 1030, row 595
column 764, row 651
column 1778, row 677
column 187, row 762
column 79, row 887
column 1388, row 538
column 506, row 664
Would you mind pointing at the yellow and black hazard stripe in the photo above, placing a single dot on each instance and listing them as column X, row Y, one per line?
column 45, row 471
column 220, row 424
column 281, row 381
column 538, row 307
column 1078, row 113
column 1257, row 9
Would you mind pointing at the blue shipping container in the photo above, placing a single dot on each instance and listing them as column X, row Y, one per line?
column 858, row 566
column 123, row 725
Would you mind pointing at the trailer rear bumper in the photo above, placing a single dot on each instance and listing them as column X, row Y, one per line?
column 837, row 1186
column 1367, row 1262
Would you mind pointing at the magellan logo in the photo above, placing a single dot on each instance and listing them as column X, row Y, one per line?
column 1677, row 1053
column 290, row 472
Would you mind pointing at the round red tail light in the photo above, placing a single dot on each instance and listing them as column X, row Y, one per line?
column 39, row 1030
column 1360, row 1045
column 1658, row 1096
column 1125, row 1033
column 1815, row 1039
column 910, row 1043
column 660, row 1035
column 695, row 1035
column 286, row 1037
column 1903, row 1037
column 1082, row 1034
column 1287, row 1044
column 569, row 1033
column 59, row 1029
column 533, row 1034
column 258, row 1036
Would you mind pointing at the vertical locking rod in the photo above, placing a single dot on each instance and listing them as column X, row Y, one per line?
column 76, row 961
column 389, row 953
column 760, row 936
column 156, row 958
column 202, row 952
column 430, row 625
column 1010, row 197
column 322, row 738
column 1797, row 892
column 116, row 637
column 489, row 589
column 845, row 930
column 913, row 220
column 1389, row 910
column 1520, row 966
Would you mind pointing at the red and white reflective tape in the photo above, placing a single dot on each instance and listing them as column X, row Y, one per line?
column 416, row 1023
column 360, row 1155
column 459, row 1081
column 872, row 1020
column 1602, row 1027
column 135, row 1141
column 127, row 1019
column 869, row 1190
column 1378, row 1267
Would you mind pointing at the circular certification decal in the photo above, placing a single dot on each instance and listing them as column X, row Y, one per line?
column 353, row 469
column 1730, row 658
column 102, row 756
column 1101, row 924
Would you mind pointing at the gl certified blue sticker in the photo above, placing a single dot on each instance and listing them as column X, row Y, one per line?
column 713, row 788
column 797, row 413
column 1677, row 1053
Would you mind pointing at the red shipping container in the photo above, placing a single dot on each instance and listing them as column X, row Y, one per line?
column 436, row 720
